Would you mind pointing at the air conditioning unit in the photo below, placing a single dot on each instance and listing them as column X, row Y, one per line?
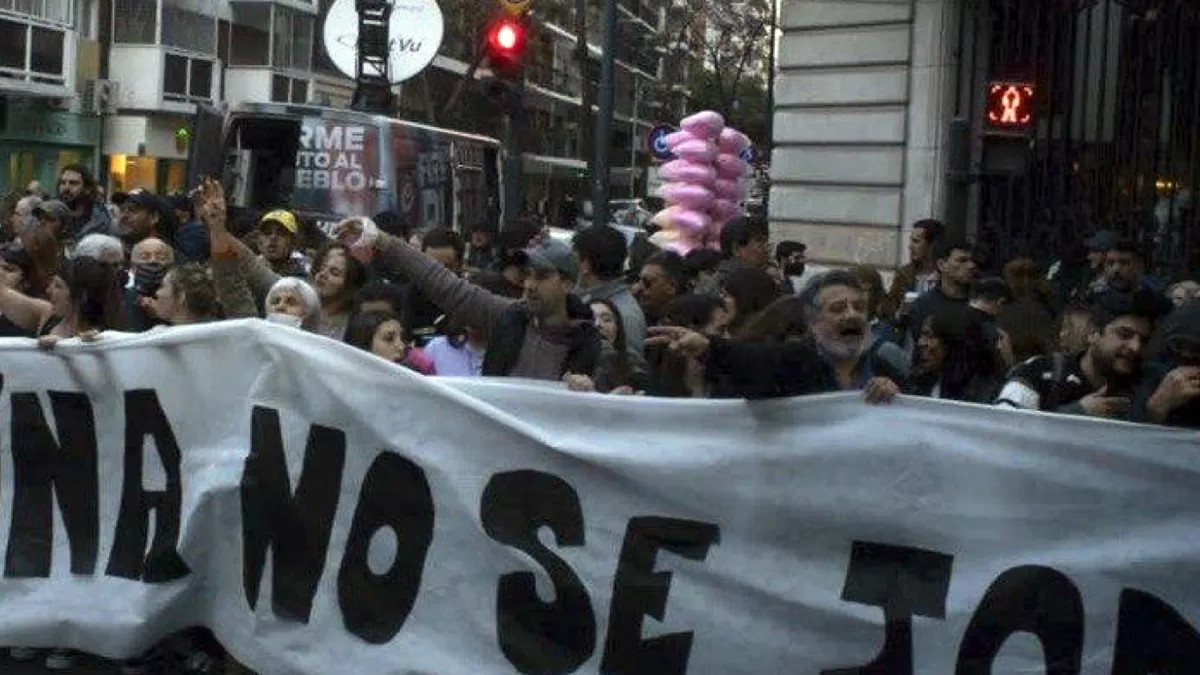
column 63, row 103
column 101, row 97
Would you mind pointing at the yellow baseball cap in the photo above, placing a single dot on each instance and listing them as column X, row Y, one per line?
column 284, row 218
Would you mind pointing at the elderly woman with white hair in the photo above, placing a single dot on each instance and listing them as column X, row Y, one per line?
column 293, row 302
column 103, row 247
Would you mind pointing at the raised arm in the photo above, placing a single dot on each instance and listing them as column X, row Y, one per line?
column 457, row 297
column 28, row 313
column 229, row 255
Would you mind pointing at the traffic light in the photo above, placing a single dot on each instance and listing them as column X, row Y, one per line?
column 505, row 47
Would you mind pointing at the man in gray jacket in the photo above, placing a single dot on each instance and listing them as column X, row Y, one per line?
column 602, row 251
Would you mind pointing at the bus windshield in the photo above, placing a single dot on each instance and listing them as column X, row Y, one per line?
column 311, row 164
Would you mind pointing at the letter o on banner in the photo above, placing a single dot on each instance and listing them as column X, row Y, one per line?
column 394, row 494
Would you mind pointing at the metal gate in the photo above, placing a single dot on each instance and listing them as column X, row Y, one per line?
column 1113, row 136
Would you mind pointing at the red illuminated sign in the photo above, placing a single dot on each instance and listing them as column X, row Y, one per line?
column 1009, row 106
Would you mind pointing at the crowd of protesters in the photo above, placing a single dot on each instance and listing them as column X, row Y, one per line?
column 1092, row 337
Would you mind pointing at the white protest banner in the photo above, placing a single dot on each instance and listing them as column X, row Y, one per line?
column 325, row 512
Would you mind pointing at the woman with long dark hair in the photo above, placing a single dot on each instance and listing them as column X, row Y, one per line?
column 957, row 360
column 382, row 334
column 84, row 297
column 620, row 375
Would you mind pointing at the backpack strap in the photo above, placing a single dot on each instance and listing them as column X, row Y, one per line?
column 1057, row 381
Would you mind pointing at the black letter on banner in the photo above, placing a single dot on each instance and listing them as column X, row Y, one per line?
column 43, row 469
column 296, row 528
column 1153, row 639
column 1027, row 599
column 639, row 591
column 904, row 582
column 144, row 416
column 539, row 638
column 394, row 494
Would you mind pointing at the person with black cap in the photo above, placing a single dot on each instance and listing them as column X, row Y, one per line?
column 547, row 335
column 144, row 215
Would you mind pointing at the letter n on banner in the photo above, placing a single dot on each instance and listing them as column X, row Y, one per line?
column 44, row 469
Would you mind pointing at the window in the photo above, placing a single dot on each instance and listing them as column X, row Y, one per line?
column 134, row 22
column 54, row 11
column 286, row 89
column 188, row 30
column 187, row 78
column 293, row 45
column 33, row 53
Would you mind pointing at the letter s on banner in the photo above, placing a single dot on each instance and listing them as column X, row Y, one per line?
column 539, row 638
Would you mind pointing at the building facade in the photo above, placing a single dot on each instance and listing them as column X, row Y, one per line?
column 1024, row 124
column 113, row 84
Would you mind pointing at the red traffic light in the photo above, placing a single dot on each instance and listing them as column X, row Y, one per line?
column 507, row 37
column 506, row 44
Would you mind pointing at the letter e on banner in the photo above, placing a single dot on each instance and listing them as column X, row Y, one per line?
column 639, row 591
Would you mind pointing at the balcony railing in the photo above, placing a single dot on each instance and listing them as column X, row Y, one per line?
column 558, row 81
column 135, row 22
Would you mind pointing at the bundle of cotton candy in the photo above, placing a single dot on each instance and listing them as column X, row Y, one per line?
column 728, row 189
column 690, row 190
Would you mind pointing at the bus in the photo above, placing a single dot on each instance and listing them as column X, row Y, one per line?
column 326, row 164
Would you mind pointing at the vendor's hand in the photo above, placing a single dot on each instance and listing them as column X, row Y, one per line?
column 89, row 336
column 348, row 232
column 1177, row 388
column 1100, row 404
column 880, row 390
column 626, row 390
column 576, row 382
column 47, row 342
column 679, row 340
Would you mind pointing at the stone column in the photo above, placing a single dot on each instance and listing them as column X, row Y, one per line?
column 859, row 123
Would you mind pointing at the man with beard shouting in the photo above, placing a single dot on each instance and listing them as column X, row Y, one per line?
column 77, row 189
column 839, row 354
column 1099, row 380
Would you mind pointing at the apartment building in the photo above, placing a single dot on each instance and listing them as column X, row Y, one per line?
column 112, row 84
column 48, row 52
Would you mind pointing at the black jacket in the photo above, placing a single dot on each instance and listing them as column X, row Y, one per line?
column 741, row 369
column 508, row 336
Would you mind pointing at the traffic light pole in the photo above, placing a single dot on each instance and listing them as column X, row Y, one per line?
column 513, row 169
column 604, row 121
